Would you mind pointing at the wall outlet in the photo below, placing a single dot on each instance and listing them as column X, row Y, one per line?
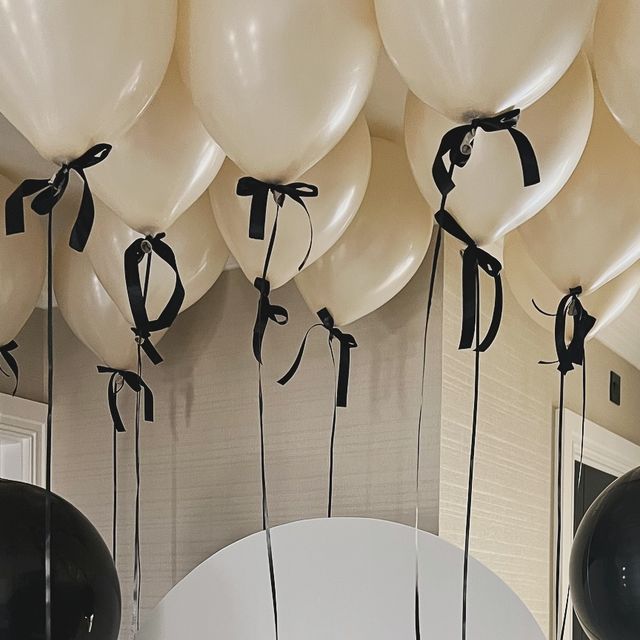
column 614, row 388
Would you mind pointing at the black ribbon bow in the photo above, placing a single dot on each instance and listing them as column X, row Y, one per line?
column 458, row 143
column 137, row 298
column 573, row 353
column 120, row 377
column 266, row 312
column 473, row 259
column 347, row 342
column 5, row 352
column 51, row 191
column 259, row 191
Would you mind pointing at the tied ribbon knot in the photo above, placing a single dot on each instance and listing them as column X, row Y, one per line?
column 266, row 312
column 144, row 326
column 5, row 352
column 347, row 342
column 120, row 377
column 458, row 143
column 259, row 192
column 571, row 354
column 50, row 192
column 473, row 259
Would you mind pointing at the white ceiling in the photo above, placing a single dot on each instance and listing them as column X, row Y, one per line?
column 385, row 114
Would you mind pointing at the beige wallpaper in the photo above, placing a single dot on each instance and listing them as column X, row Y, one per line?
column 200, row 457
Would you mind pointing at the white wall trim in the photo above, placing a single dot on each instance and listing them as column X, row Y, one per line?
column 603, row 450
column 25, row 421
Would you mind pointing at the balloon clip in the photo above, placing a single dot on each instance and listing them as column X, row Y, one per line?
column 466, row 147
column 146, row 246
column 139, row 340
column 119, row 382
column 278, row 197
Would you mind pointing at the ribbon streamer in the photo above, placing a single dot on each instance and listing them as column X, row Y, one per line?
column 266, row 312
column 120, row 377
column 144, row 327
column 259, row 192
column 458, row 143
column 347, row 342
column 5, row 352
column 473, row 259
column 50, row 192
column 568, row 357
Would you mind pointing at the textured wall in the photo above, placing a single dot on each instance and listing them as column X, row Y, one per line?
column 200, row 468
column 200, row 458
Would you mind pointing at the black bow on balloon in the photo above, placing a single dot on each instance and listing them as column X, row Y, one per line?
column 259, row 191
column 137, row 297
column 572, row 354
column 5, row 352
column 473, row 259
column 49, row 193
column 347, row 342
column 458, row 143
column 266, row 312
column 120, row 377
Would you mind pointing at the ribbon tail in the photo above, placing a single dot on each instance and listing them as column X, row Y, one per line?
column 151, row 352
column 469, row 278
column 258, row 333
column 496, row 318
column 11, row 362
column 14, row 206
column 148, row 402
column 530, row 169
column 84, row 221
column 258, row 216
column 118, row 425
column 296, row 363
column 343, row 375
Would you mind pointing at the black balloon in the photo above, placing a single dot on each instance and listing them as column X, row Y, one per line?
column 605, row 563
column 85, row 592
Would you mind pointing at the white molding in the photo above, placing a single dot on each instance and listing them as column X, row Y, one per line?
column 603, row 450
column 25, row 420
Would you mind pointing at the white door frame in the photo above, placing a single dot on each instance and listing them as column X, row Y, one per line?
column 603, row 450
column 24, row 422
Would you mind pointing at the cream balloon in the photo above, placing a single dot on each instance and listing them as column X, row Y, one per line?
column 616, row 54
column 382, row 248
column 278, row 84
column 162, row 165
column 528, row 282
column 341, row 178
column 590, row 232
column 489, row 199
column 22, row 261
column 89, row 311
column 73, row 74
column 196, row 242
column 468, row 58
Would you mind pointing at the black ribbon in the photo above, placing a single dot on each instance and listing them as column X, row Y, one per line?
column 568, row 357
column 120, row 377
column 144, row 327
column 458, row 143
column 266, row 312
column 473, row 259
column 49, row 193
column 347, row 342
column 5, row 352
column 259, row 191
